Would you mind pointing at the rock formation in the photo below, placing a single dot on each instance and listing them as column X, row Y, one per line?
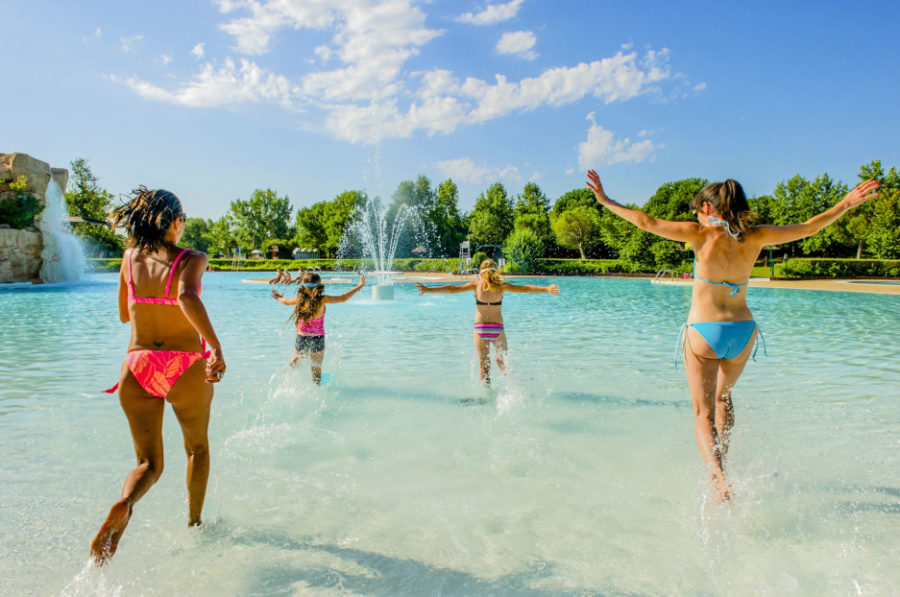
column 20, row 250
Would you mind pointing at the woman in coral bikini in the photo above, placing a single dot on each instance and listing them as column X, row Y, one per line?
column 720, row 329
column 167, row 358
column 488, row 289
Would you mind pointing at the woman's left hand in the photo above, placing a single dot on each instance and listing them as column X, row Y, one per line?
column 215, row 367
column 862, row 193
column 276, row 294
column 553, row 289
column 362, row 281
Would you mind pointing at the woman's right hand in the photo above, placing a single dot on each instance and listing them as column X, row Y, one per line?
column 215, row 366
column 862, row 193
column 422, row 288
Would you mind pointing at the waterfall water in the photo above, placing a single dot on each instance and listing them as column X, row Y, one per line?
column 62, row 254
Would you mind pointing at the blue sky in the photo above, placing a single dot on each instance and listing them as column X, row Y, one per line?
column 214, row 98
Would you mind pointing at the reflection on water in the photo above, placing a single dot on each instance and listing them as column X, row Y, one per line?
column 577, row 474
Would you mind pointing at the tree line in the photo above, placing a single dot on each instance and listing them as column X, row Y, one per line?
column 523, row 227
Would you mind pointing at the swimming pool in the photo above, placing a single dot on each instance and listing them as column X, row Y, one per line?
column 577, row 475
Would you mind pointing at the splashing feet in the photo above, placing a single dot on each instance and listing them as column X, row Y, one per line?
column 107, row 540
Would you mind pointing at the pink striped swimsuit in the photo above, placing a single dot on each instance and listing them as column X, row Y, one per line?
column 313, row 327
column 157, row 370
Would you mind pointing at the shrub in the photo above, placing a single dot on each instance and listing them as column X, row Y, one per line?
column 19, row 210
column 100, row 240
column 577, row 267
column 523, row 248
column 838, row 268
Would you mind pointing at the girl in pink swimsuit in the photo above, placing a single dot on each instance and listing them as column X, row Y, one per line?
column 309, row 316
column 488, row 289
column 167, row 358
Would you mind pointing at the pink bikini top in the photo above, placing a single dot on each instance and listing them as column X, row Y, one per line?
column 315, row 326
column 133, row 298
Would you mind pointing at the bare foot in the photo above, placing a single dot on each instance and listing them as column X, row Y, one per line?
column 722, row 486
column 107, row 540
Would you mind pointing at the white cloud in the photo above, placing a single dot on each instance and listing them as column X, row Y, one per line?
column 493, row 13
column 166, row 59
column 198, row 50
column 518, row 42
column 700, row 86
column 127, row 43
column 465, row 170
column 227, row 85
column 370, row 94
column 601, row 148
column 97, row 35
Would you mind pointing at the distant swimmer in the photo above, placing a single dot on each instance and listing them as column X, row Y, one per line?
column 719, row 335
column 167, row 358
column 488, row 330
column 309, row 316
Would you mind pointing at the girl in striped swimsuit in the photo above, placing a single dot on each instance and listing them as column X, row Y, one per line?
column 488, row 289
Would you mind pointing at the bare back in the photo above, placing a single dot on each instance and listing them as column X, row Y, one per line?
column 722, row 258
column 154, row 326
column 488, row 313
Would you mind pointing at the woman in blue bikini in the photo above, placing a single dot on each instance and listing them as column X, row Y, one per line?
column 720, row 329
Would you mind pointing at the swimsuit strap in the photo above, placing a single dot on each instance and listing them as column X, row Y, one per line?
column 172, row 271
column 714, row 221
column 759, row 336
column 735, row 288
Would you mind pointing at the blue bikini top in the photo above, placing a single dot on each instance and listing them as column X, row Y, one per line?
column 735, row 288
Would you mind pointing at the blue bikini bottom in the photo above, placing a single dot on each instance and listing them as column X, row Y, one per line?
column 728, row 339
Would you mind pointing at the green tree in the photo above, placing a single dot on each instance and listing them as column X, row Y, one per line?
column 874, row 225
column 672, row 200
column 87, row 199
column 575, row 198
column 99, row 241
column 195, row 234
column 449, row 225
column 532, row 213
column 220, row 237
column 797, row 200
column 491, row 219
column 265, row 215
column 762, row 207
column 522, row 249
column 321, row 225
column 577, row 228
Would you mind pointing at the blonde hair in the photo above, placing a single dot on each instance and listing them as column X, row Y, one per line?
column 492, row 278
column 310, row 298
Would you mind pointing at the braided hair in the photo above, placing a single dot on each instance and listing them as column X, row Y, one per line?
column 310, row 298
column 729, row 200
column 147, row 217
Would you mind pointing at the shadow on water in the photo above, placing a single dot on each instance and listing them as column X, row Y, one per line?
column 387, row 575
column 601, row 399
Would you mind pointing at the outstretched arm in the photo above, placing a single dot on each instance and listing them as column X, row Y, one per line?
column 283, row 299
column 776, row 235
column 342, row 298
column 447, row 288
column 193, row 309
column 678, row 231
column 552, row 289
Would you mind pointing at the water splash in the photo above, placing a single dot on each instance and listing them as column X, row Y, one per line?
column 63, row 258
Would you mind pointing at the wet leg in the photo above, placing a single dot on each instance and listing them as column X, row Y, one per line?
column 729, row 372
column 501, row 351
column 483, row 350
column 702, row 367
column 191, row 397
column 145, row 416
column 315, row 365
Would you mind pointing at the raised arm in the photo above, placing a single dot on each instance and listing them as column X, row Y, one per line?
column 678, row 231
column 552, row 289
column 447, row 288
column 342, row 298
column 283, row 299
column 193, row 309
column 123, row 290
column 776, row 235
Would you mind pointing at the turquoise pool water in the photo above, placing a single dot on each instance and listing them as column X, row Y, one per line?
column 577, row 475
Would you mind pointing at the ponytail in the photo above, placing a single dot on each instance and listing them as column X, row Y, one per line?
column 492, row 278
column 729, row 200
column 147, row 217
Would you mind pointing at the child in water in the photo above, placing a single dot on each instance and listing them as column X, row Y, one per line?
column 309, row 316
column 488, row 289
